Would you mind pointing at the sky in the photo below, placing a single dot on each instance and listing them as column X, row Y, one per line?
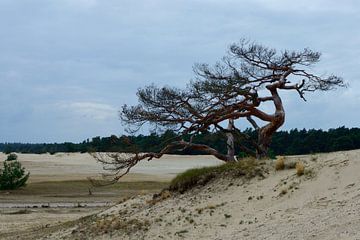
column 67, row 66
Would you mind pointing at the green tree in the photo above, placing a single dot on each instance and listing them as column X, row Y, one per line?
column 13, row 175
column 11, row 157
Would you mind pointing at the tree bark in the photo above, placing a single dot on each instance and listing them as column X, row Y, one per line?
column 230, row 141
column 266, row 132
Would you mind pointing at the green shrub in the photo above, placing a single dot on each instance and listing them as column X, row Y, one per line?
column 201, row 176
column 13, row 175
column 11, row 157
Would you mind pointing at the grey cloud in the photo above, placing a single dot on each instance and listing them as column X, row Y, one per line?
column 63, row 56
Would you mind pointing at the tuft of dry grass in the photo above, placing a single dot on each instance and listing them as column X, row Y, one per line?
column 300, row 168
column 280, row 163
column 163, row 195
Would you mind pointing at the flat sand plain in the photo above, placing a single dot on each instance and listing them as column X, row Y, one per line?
column 77, row 166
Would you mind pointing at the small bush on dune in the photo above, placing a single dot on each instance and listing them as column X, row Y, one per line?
column 300, row 168
column 280, row 163
column 201, row 176
column 13, row 175
column 11, row 157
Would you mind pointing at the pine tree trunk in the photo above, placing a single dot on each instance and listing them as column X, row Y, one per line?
column 230, row 142
column 265, row 133
column 264, row 141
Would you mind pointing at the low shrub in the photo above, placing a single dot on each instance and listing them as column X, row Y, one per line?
column 201, row 176
column 300, row 168
column 11, row 157
column 280, row 163
column 13, row 175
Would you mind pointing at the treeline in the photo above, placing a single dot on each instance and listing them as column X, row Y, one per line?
column 284, row 142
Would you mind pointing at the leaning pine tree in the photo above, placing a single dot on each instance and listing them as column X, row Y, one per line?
column 233, row 89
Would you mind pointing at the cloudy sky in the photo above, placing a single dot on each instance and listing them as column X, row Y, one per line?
column 66, row 66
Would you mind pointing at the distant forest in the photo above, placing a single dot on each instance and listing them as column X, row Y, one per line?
column 284, row 142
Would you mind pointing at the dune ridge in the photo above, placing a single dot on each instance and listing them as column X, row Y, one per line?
column 321, row 204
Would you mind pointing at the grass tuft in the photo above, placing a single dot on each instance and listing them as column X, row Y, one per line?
column 280, row 163
column 300, row 168
column 201, row 176
column 163, row 195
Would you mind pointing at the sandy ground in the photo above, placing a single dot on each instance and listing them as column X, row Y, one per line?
column 322, row 204
column 58, row 189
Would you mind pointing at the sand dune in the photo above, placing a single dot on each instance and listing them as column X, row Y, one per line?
column 322, row 204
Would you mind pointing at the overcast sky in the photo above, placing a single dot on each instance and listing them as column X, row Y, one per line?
column 66, row 66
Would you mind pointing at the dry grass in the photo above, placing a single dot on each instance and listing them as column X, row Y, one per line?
column 280, row 163
column 78, row 191
column 165, row 194
column 300, row 168
column 189, row 179
column 78, row 188
column 22, row 211
column 209, row 207
column 103, row 226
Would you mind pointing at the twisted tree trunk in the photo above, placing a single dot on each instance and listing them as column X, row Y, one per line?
column 266, row 132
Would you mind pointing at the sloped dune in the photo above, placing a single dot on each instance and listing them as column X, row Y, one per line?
column 324, row 203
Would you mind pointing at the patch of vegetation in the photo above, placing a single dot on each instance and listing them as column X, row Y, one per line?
column 79, row 189
column 280, row 163
column 309, row 173
column 115, row 224
column 158, row 197
column 91, row 226
column 11, row 157
column 300, row 168
column 189, row 179
column 13, row 176
column 22, row 211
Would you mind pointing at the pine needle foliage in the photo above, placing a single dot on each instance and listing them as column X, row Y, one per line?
column 12, row 176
